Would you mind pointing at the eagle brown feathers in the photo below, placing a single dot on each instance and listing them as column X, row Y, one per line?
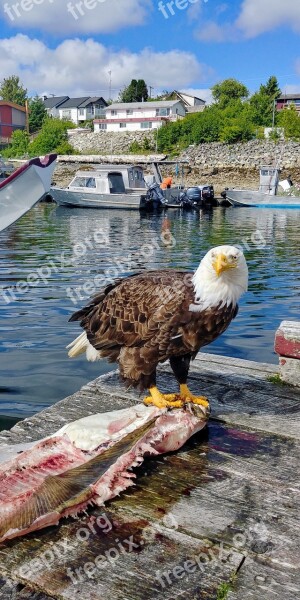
column 145, row 319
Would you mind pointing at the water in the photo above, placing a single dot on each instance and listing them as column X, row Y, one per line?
column 62, row 249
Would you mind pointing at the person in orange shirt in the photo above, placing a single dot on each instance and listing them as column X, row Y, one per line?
column 166, row 183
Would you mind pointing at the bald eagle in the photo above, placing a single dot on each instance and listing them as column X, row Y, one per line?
column 150, row 317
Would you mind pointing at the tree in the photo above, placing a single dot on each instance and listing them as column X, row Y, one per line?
column 136, row 91
column 12, row 90
column 271, row 88
column 262, row 103
column 19, row 144
column 227, row 90
column 53, row 137
column 37, row 114
column 289, row 119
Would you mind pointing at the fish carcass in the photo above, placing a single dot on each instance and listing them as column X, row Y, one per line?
column 87, row 462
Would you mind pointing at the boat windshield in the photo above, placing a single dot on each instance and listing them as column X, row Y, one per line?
column 88, row 182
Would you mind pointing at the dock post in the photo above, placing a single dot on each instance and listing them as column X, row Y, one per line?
column 287, row 346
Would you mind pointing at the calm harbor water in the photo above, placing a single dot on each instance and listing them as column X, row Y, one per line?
column 51, row 253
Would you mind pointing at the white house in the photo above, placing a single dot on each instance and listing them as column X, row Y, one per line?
column 134, row 116
column 77, row 110
column 52, row 104
column 82, row 109
column 92, row 108
column 191, row 103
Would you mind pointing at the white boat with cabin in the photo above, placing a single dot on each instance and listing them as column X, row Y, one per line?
column 113, row 186
column 266, row 196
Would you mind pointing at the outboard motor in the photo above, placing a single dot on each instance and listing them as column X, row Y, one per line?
column 155, row 198
column 185, row 201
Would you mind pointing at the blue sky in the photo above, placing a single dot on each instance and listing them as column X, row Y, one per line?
column 70, row 46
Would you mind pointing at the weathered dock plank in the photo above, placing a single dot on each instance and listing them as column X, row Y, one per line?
column 227, row 503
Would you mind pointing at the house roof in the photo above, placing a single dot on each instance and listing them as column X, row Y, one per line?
column 93, row 100
column 128, row 105
column 13, row 105
column 289, row 97
column 189, row 95
column 74, row 102
column 55, row 101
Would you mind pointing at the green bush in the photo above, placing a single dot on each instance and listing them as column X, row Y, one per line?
column 52, row 138
column 135, row 148
column 18, row 146
column 290, row 121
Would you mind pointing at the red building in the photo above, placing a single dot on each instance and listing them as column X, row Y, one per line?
column 12, row 116
column 286, row 100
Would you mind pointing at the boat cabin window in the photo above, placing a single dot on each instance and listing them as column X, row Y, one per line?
column 88, row 182
column 268, row 172
column 116, row 183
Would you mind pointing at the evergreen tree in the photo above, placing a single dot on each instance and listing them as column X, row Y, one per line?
column 12, row 90
column 271, row 88
column 136, row 91
column 262, row 103
column 37, row 114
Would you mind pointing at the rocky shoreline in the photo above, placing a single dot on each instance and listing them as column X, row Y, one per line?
column 222, row 165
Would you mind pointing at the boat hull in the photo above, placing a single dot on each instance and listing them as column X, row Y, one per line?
column 252, row 198
column 24, row 188
column 93, row 200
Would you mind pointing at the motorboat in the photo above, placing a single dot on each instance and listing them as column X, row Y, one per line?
column 267, row 196
column 24, row 188
column 110, row 186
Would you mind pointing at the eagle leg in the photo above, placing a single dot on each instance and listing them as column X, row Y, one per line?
column 163, row 400
column 180, row 367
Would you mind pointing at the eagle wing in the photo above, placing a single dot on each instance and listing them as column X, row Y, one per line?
column 136, row 310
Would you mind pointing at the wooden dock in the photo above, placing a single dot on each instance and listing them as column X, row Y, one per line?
column 218, row 519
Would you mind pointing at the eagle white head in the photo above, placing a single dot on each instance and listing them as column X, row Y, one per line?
column 221, row 278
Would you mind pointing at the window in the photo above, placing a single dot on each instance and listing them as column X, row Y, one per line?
column 82, row 182
column 81, row 112
column 129, row 111
column 102, row 126
column 146, row 125
column 113, row 113
column 66, row 114
column 163, row 112
column 122, row 125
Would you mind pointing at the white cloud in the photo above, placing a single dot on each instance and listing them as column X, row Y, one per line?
column 259, row 16
column 256, row 17
column 203, row 93
column 80, row 67
column 209, row 31
column 98, row 16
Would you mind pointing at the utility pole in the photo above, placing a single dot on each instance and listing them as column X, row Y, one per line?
column 273, row 118
column 27, row 116
column 109, row 93
column 150, row 90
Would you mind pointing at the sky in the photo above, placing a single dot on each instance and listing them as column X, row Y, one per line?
column 87, row 47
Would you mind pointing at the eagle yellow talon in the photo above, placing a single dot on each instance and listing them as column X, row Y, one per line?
column 163, row 400
column 189, row 397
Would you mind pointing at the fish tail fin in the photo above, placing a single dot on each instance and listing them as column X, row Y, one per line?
column 78, row 346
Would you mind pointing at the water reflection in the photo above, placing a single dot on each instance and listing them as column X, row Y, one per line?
column 47, row 246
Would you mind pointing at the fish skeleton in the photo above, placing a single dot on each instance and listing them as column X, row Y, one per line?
column 87, row 462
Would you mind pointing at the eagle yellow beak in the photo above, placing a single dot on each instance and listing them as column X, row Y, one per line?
column 221, row 263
